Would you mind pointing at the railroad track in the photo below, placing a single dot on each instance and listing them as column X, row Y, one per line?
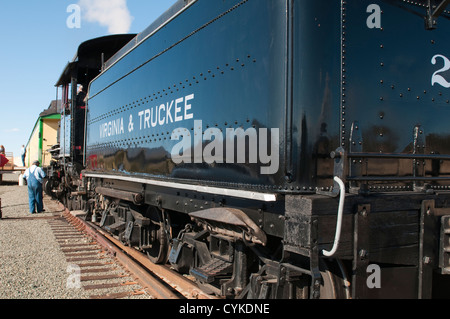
column 90, row 267
column 94, row 251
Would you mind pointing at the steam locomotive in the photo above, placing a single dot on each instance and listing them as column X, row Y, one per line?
column 268, row 148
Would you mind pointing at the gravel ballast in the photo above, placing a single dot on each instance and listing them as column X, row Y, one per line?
column 32, row 265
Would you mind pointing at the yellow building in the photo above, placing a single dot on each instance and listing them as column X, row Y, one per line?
column 44, row 135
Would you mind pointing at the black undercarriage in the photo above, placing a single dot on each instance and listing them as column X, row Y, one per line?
column 276, row 250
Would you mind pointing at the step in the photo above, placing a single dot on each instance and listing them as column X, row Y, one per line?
column 208, row 272
column 116, row 227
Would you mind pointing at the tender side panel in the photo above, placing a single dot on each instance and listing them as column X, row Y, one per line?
column 180, row 103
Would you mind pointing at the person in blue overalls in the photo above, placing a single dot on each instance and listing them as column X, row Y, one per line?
column 34, row 176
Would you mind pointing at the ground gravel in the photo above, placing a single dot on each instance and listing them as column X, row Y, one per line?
column 32, row 265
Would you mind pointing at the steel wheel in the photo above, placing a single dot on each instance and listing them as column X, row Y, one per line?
column 334, row 284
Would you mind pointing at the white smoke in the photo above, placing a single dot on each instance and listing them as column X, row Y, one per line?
column 113, row 14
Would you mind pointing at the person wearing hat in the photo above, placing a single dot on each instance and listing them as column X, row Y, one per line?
column 34, row 176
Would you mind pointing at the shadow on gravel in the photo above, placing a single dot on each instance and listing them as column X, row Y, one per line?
column 30, row 218
column 9, row 183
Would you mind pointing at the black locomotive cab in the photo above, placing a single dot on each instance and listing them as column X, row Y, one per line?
column 68, row 155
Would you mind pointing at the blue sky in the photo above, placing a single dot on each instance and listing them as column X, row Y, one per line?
column 37, row 43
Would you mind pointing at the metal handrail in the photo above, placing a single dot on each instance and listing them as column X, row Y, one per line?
column 399, row 156
column 409, row 178
column 337, row 236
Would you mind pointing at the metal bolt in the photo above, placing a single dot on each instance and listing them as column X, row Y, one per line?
column 363, row 254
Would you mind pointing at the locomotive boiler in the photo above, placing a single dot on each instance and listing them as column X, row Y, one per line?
column 271, row 148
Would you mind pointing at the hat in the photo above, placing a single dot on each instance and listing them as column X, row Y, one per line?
column 36, row 163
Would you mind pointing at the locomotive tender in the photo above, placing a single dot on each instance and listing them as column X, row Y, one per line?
column 270, row 148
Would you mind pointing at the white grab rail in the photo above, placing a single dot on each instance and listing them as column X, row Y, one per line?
column 337, row 236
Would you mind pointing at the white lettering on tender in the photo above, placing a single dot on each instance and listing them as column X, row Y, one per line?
column 112, row 128
column 165, row 113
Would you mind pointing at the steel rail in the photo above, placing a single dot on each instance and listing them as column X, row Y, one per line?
column 151, row 284
column 139, row 264
column 186, row 287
